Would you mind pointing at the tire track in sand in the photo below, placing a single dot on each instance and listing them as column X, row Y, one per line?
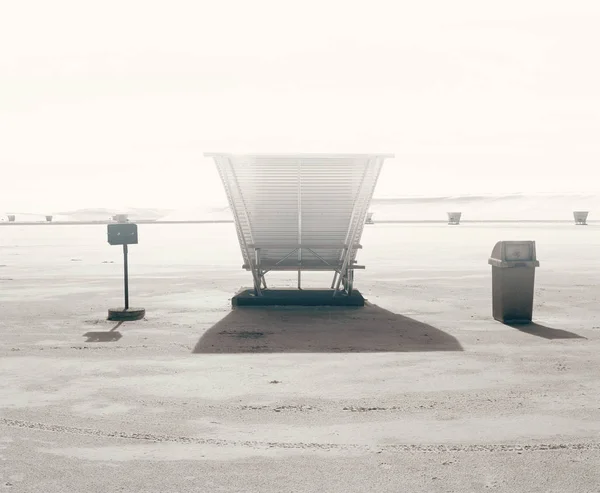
column 422, row 448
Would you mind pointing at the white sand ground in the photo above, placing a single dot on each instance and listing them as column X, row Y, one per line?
column 421, row 392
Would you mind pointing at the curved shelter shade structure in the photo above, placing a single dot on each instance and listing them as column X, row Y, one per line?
column 300, row 212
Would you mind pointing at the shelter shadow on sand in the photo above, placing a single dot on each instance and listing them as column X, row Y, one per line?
column 321, row 330
column 545, row 332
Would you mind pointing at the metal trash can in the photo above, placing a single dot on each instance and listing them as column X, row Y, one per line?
column 513, row 279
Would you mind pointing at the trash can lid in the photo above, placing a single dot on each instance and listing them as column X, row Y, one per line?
column 514, row 254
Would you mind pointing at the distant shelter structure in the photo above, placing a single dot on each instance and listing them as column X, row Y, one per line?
column 120, row 218
column 454, row 218
column 580, row 217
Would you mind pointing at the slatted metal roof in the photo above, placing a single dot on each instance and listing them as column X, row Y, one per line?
column 299, row 211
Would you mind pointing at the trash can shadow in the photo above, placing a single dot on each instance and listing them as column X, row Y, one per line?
column 545, row 332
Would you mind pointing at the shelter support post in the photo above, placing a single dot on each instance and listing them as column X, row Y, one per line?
column 256, row 273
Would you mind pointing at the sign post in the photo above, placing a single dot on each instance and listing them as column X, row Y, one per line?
column 124, row 234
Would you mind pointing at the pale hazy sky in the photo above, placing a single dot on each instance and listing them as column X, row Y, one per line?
column 113, row 103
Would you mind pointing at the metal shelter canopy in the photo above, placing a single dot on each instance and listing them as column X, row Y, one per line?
column 300, row 212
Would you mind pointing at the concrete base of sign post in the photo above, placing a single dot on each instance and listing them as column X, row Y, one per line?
column 126, row 314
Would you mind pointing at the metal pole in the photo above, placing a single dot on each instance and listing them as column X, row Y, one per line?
column 126, row 277
column 299, row 224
